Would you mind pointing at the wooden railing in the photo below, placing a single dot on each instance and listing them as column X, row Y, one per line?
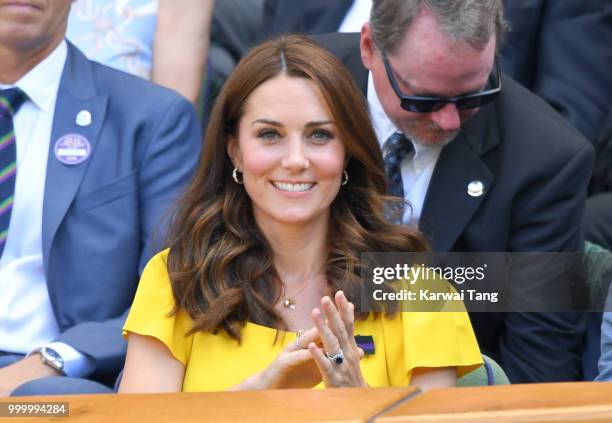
column 556, row 402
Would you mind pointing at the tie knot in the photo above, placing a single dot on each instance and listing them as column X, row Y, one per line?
column 11, row 100
column 398, row 146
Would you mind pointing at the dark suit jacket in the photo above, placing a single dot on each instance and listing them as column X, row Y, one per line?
column 305, row 17
column 561, row 51
column 99, row 217
column 535, row 168
column 598, row 221
column 602, row 174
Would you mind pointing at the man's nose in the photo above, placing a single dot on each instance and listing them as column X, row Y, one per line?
column 447, row 118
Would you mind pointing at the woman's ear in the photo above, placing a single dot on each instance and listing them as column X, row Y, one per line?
column 233, row 151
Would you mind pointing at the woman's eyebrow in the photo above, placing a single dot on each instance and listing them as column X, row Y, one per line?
column 276, row 123
column 319, row 123
column 267, row 122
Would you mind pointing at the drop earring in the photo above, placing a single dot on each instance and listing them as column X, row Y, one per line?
column 239, row 181
column 346, row 179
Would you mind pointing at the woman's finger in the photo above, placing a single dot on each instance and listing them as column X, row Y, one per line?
column 323, row 363
column 347, row 313
column 335, row 322
column 303, row 338
column 329, row 340
column 297, row 357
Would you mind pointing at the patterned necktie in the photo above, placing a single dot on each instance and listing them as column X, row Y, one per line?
column 395, row 150
column 10, row 101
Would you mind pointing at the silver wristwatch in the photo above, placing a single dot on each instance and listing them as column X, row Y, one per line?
column 51, row 358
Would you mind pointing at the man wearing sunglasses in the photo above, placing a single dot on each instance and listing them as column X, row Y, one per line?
column 485, row 165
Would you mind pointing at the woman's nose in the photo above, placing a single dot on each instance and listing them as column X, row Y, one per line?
column 295, row 158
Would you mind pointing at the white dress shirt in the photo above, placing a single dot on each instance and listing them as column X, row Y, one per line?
column 26, row 316
column 416, row 168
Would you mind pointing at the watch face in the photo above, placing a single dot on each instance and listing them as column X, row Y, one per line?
column 52, row 358
column 51, row 354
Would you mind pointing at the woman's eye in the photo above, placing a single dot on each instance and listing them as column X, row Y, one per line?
column 322, row 135
column 268, row 134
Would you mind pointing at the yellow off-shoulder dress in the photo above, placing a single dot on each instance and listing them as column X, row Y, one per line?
column 216, row 362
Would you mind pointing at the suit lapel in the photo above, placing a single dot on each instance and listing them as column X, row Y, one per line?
column 448, row 206
column 76, row 93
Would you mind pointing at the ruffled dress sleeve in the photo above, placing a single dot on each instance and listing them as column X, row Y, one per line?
column 151, row 312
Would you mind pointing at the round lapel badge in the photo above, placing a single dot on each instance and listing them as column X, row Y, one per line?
column 72, row 149
column 475, row 189
column 83, row 118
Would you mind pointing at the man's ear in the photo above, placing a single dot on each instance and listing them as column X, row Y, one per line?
column 366, row 46
column 233, row 151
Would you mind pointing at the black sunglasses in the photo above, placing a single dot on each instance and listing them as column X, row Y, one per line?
column 421, row 104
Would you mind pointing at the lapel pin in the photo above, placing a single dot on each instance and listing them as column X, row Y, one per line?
column 83, row 118
column 366, row 343
column 475, row 189
column 72, row 149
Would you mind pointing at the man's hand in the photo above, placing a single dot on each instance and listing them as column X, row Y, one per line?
column 23, row 371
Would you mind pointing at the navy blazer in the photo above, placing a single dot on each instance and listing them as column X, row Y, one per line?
column 100, row 217
column 535, row 169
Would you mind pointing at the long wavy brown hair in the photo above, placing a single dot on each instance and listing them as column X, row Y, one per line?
column 220, row 264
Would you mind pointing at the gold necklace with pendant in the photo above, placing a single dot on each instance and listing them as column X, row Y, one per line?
column 289, row 302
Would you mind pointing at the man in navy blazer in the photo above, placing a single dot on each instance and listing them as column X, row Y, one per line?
column 101, row 155
column 508, row 176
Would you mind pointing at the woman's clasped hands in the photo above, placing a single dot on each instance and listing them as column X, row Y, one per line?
column 327, row 352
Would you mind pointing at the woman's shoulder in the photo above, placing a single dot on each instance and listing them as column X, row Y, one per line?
column 160, row 258
column 155, row 274
column 157, row 266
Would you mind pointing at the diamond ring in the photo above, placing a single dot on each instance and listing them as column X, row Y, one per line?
column 298, row 335
column 336, row 358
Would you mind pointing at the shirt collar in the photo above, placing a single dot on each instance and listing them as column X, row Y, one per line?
column 424, row 155
column 41, row 83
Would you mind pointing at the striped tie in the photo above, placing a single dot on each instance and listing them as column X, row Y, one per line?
column 395, row 150
column 10, row 101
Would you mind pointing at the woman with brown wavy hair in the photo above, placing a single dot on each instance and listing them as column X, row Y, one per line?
column 289, row 193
